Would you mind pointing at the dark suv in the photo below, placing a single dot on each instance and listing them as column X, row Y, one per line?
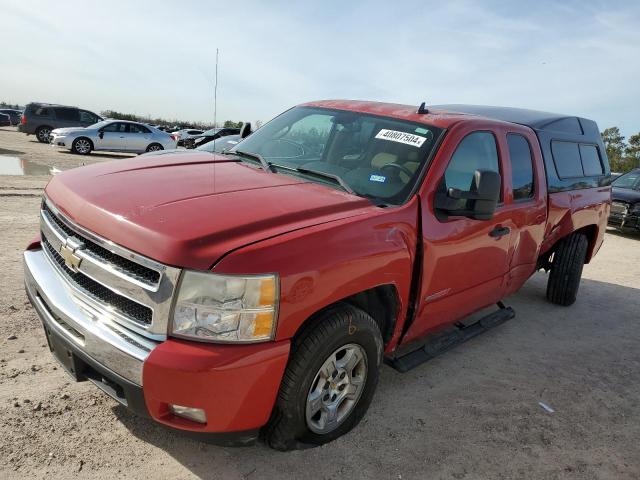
column 41, row 118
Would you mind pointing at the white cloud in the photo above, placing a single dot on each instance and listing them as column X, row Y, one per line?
column 158, row 57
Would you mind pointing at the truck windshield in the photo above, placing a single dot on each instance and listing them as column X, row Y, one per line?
column 376, row 157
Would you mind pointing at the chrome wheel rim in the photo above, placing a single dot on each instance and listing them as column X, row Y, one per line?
column 83, row 146
column 154, row 148
column 336, row 388
column 44, row 133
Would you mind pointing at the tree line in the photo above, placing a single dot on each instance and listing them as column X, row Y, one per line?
column 623, row 155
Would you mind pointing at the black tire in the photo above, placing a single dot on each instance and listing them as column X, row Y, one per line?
column 566, row 269
column 338, row 326
column 42, row 134
column 154, row 147
column 82, row 146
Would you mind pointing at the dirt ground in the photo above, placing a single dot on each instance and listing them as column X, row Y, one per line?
column 472, row 413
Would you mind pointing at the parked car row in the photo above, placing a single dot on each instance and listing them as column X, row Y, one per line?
column 12, row 114
column 82, row 131
column 207, row 136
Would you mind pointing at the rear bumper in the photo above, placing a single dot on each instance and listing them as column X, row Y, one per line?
column 236, row 385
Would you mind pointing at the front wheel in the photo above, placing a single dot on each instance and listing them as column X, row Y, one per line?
column 329, row 382
column 82, row 146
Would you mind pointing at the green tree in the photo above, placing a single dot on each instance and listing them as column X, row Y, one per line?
column 232, row 124
column 615, row 146
column 632, row 152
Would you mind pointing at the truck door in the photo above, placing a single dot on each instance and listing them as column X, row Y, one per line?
column 465, row 261
column 526, row 200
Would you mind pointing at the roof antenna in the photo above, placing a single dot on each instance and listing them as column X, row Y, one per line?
column 215, row 104
column 423, row 108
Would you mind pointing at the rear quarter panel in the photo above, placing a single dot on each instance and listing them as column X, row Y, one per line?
column 574, row 210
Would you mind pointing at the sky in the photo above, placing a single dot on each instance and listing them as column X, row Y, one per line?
column 157, row 58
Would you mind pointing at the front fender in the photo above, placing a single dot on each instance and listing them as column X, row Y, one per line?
column 323, row 264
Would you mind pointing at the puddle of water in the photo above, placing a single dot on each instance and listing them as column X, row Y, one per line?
column 15, row 166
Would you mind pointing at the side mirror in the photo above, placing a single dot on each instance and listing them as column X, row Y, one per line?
column 479, row 202
column 245, row 130
column 101, row 134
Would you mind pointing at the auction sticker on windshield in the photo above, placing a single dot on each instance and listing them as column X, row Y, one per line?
column 401, row 137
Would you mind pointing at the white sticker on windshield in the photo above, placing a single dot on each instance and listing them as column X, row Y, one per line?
column 401, row 137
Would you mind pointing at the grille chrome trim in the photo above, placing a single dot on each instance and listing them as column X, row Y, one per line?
column 82, row 293
column 158, row 297
column 122, row 252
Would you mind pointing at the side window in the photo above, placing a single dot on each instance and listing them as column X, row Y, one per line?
column 591, row 163
column 112, row 127
column 476, row 151
column 42, row 112
column 67, row 114
column 88, row 117
column 566, row 158
column 521, row 166
column 133, row 128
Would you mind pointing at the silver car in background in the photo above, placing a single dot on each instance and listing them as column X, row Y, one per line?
column 114, row 136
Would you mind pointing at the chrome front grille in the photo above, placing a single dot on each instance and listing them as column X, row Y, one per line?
column 110, row 281
column 126, row 267
column 133, row 310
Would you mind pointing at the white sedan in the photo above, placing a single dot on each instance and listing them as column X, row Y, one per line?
column 114, row 136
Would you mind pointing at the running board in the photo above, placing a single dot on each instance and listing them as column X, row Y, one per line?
column 443, row 342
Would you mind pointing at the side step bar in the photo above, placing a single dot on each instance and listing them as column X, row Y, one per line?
column 442, row 342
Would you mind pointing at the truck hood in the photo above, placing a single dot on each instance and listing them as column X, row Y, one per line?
column 188, row 210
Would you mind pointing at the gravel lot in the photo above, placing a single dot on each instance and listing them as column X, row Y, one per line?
column 472, row 413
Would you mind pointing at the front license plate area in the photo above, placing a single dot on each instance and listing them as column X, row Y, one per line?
column 69, row 361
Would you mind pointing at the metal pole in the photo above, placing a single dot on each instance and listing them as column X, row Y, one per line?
column 215, row 95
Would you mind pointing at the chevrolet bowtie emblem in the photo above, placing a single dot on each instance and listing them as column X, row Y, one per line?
column 68, row 251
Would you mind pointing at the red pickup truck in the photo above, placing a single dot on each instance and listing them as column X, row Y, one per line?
column 259, row 290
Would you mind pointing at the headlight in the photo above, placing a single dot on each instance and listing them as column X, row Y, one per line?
column 226, row 308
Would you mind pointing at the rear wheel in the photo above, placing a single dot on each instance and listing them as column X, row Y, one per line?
column 329, row 382
column 154, row 147
column 566, row 269
column 82, row 146
column 42, row 133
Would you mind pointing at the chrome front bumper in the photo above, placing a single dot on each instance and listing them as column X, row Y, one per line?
column 60, row 309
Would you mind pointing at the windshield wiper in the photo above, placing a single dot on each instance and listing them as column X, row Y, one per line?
column 256, row 156
column 345, row 186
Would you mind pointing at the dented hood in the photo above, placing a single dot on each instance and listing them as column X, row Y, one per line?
column 188, row 210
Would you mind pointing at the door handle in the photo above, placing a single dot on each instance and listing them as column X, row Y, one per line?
column 499, row 232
